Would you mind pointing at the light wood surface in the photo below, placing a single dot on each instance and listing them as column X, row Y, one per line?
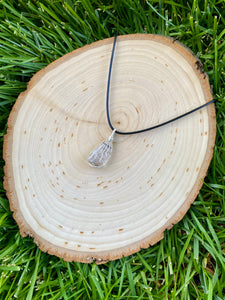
column 82, row 213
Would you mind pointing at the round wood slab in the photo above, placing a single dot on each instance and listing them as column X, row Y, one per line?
column 82, row 213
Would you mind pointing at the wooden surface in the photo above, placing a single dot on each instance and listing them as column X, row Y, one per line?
column 82, row 213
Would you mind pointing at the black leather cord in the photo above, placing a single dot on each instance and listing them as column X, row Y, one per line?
column 146, row 129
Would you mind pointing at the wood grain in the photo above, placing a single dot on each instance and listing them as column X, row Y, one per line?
column 82, row 213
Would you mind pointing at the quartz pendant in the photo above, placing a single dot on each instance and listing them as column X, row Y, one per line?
column 99, row 157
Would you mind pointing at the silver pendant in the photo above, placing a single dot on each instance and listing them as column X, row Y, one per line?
column 99, row 157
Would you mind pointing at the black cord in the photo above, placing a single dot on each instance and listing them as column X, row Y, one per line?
column 146, row 129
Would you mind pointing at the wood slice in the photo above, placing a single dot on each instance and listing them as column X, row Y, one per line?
column 82, row 213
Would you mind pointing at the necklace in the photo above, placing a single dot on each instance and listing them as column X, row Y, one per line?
column 100, row 156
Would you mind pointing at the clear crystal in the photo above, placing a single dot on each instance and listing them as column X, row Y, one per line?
column 99, row 157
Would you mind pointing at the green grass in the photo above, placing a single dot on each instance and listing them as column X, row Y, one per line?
column 189, row 263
